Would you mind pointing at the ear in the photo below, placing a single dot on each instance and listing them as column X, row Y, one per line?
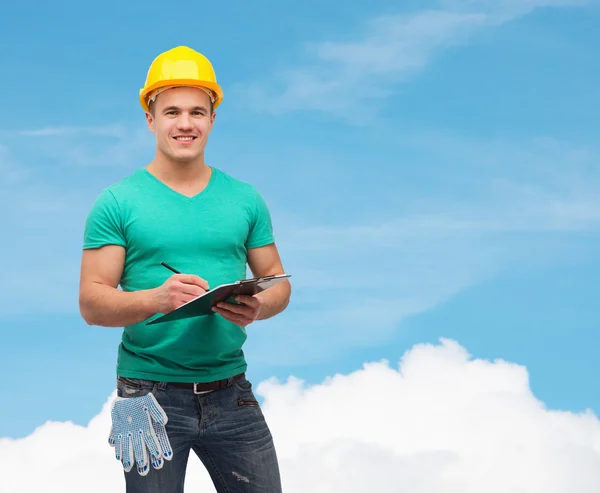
column 150, row 121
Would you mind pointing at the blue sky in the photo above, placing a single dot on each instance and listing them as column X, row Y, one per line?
column 432, row 171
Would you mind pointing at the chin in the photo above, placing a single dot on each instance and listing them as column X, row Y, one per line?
column 185, row 159
column 185, row 156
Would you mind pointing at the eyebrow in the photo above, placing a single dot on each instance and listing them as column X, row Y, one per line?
column 176, row 108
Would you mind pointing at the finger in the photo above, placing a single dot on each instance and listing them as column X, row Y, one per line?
column 190, row 289
column 156, row 452
column 247, row 300
column 188, row 297
column 235, row 309
column 193, row 279
column 163, row 440
column 154, row 412
column 140, row 452
column 156, row 455
column 233, row 318
column 127, row 456
column 239, row 314
column 111, row 437
column 118, row 447
column 111, row 433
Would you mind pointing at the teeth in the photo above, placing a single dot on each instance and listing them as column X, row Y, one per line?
column 184, row 138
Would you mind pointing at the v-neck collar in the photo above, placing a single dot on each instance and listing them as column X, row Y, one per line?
column 180, row 195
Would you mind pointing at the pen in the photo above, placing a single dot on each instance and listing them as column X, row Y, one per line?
column 170, row 268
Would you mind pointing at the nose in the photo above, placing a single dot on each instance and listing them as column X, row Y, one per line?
column 184, row 122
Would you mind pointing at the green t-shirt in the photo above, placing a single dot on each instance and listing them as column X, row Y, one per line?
column 207, row 235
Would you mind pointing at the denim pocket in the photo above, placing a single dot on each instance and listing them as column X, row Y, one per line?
column 245, row 396
column 248, row 400
column 133, row 387
column 243, row 384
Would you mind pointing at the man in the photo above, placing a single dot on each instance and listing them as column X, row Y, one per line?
column 189, row 374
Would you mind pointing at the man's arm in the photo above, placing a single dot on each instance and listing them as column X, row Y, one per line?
column 265, row 261
column 101, row 303
column 100, row 300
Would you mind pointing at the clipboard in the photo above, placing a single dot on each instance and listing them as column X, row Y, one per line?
column 202, row 305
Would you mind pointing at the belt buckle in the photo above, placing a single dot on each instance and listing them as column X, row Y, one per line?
column 198, row 392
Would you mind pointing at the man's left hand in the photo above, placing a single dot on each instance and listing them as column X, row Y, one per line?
column 243, row 314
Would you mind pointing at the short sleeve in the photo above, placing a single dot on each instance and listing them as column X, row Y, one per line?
column 261, row 228
column 103, row 225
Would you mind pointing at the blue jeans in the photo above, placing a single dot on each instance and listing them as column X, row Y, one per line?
column 225, row 428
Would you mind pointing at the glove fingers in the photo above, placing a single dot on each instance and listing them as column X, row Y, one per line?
column 163, row 440
column 118, row 445
column 154, row 448
column 140, row 452
column 151, row 440
column 156, row 411
column 133, row 434
column 127, row 457
column 111, row 437
column 159, row 434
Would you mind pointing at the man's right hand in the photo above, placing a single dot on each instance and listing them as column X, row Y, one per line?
column 178, row 290
column 102, row 303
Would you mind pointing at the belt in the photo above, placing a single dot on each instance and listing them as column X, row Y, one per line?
column 199, row 387
column 205, row 386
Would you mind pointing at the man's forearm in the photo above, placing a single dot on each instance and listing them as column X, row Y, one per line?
column 274, row 300
column 110, row 307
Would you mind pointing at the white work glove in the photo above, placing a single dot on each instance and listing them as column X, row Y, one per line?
column 138, row 426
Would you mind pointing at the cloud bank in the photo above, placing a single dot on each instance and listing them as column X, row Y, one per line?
column 439, row 422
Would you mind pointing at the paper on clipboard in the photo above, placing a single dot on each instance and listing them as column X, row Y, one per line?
column 202, row 305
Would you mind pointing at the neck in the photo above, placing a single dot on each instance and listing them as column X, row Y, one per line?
column 179, row 173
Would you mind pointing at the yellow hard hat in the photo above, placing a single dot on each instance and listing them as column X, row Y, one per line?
column 181, row 66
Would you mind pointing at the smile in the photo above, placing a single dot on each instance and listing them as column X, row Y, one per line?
column 185, row 138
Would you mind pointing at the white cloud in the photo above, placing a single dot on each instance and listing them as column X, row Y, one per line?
column 441, row 422
column 339, row 75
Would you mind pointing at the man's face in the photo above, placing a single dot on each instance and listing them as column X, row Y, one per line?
column 181, row 121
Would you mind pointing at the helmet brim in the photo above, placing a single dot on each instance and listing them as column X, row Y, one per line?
column 181, row 82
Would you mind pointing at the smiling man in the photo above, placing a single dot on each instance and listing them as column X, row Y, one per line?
column 181, row 385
